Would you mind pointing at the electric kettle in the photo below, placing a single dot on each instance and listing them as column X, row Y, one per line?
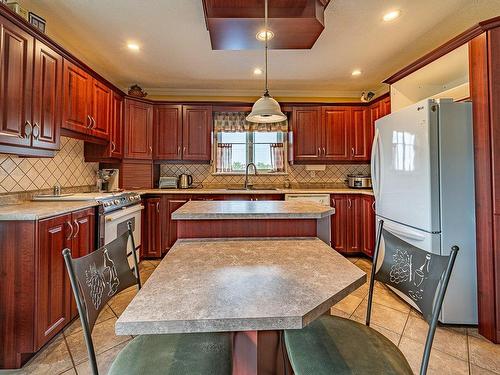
column 185, row 181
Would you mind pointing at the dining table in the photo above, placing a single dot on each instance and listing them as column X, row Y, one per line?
column 252, row 287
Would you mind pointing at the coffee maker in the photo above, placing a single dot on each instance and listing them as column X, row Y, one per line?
column 107, row 180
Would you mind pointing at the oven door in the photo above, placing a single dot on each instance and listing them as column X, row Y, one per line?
column 115, row 224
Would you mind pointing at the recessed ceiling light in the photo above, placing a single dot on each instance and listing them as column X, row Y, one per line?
column 356, row 72
column 392, row 15
column 258, row 71
column 261, row 35
column 133, row 46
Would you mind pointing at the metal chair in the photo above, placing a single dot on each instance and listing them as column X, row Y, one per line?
column 100, row 275
column 332, row 344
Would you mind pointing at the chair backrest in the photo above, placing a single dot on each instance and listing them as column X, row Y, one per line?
column 418, row 274
column 97, row 277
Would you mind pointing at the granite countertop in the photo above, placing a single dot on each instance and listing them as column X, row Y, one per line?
column 240, row 285
column 299, row 190
column 30, row 210
column 231, row 210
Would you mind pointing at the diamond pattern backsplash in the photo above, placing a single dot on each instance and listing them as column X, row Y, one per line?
column 67, row 168
column 297, row 174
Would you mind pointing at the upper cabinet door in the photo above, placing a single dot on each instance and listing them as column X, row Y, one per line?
column 47, row 97
column 16, row 72
column 336, row 133
column 101, row 113
column 306, row 133
column 116, row 131
column 138, row 130
column 385, row 106
column 168, row 132
column 76, row 98
column 196, row 133
column 360, row 134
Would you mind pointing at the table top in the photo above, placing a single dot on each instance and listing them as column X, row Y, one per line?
column 221, row 285
column 220, row 210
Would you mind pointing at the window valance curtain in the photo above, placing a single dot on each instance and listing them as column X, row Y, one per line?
column 236, row 122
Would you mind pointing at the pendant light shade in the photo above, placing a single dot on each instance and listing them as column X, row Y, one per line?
column 266, row 110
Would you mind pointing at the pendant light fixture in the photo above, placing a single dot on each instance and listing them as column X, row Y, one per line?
column 266, row 109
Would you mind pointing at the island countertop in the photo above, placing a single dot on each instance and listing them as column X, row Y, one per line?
column 231, row 210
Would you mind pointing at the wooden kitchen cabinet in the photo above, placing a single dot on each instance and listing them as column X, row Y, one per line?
column 339, row 223
column 336, row 133
column 167, row 132
column 306, row 133
column 138, row 130
column 77, row 98
column 196, row 133
column 360, row 134
column 115, row 146
column 368, row 220
column 151, row 246
column 101, row 109
column 172, row 205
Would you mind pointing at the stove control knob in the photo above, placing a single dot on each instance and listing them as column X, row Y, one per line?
column 117, row 201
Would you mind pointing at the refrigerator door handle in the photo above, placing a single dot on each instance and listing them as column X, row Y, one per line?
column 374, row 165
column 404, row 233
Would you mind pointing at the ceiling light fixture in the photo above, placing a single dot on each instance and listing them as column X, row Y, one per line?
column 392, row 15
column 356, row 72
column 266, row 109
column 257, row 71
column 133, row 46
column 261, row 35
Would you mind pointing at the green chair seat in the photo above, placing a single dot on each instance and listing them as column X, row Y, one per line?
column 193, row 353
column 333, row 345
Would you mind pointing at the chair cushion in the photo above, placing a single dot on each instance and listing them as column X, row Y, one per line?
column 333, row 345
column 193, row 353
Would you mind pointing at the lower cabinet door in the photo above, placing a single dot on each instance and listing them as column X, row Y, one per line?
column 53, row 288
column 354, row 224
column 173, row 204
column 339, row 223
column 151, row 238
column 369, row 230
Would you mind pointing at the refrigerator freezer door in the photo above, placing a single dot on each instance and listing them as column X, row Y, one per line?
column 405, row 166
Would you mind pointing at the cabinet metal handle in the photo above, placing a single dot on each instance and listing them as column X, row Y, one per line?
column 89, row 121
column 94, row 125
column 77, row 228
column 72, row 230
column 373, row 206
column 324, row 152
column 352, row 151
column 158, row 207
column 150, row 149
column 179, row 151
column 333, row 202
column 113, row 146
column 184, row 150
column 349, row 203
column 319, row 151
column 28, row 129
column 36, row 134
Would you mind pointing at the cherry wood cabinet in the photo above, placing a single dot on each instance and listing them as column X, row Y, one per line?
column 360, row 134
column 138, row 130
column 353, row 225
column 47, row 97
column 167, row 132
column 336, row 133
column 196, row 132
column 152, row 228
column 77, row 98
column 116, row 131
column 172, row 205
column 101, row 109
column 306, row 134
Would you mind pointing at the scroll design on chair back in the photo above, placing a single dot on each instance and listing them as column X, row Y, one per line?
column 413, row 271
column 102, row 274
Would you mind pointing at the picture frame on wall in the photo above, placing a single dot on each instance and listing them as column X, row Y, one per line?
column 37, row 21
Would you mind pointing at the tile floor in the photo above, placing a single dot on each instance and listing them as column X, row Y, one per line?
column 456, row 350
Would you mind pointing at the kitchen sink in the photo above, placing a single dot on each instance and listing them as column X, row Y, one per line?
column 50, row 196
column 251, row 189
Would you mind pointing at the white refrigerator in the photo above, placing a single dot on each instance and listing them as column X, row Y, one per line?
column 423, row 181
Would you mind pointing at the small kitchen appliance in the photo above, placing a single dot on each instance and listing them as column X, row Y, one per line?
column 107, row 180
column 168, row 183
column 359, row 181
column 185, row 181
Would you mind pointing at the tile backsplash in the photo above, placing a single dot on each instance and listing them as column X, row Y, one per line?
column 68, row 168
column 297, row 174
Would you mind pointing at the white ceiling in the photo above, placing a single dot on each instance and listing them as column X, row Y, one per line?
column 176, row 57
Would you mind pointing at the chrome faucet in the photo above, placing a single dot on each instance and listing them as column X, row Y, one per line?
column 56, row 190
column 247, row 185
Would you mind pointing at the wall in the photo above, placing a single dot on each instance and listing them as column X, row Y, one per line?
column 298, row 175
column 67, row 168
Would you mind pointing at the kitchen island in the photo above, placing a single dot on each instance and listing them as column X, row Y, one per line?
column 229, row 219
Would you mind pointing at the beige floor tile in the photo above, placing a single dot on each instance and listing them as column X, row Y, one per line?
column 104, row 361
column 349, row 304
column 476, row 370
column 51, row 360
column 364, row 264
column 383, row 296
column 145, row 274
column 352, row 259
column 362, row 291
column 69, row 372
column 121, row 301
column 383, row 316
column 474, row 332
column 103, row 336
column 146, row 264
column 446, row 340
column 336, row 312
column 394, row 337
column 440, row 363
column 484, row 354
column 76, row 325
